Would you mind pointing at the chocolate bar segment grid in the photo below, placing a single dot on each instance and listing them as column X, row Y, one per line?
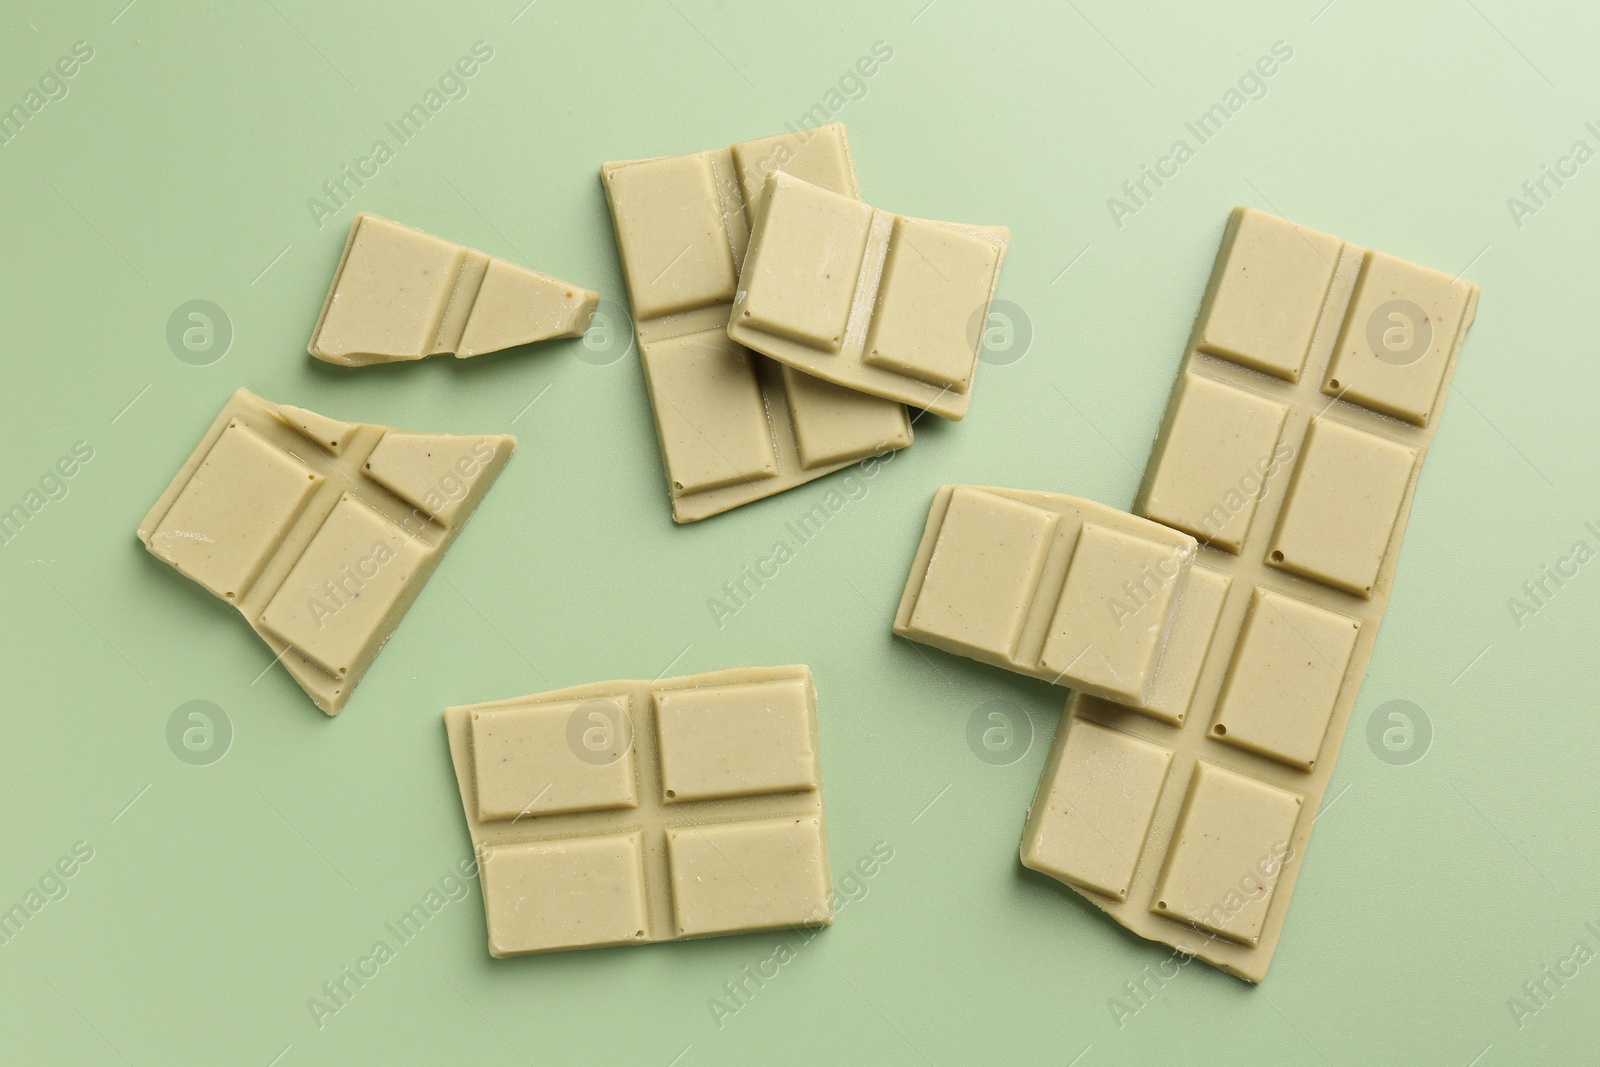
column 632, row 812
column 1290, row 448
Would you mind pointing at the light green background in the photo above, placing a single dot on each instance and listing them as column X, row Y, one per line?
column 178, row 167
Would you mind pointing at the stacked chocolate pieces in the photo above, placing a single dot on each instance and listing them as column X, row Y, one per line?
column 783, row 325
column 1189, row 768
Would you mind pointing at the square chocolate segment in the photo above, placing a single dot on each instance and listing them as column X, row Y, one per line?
column 671, row 234
column 235, row 512
column 332, row 604
column 982, row 573
column 1287, row 670
column 1221, row 451
column 1270, row 283
column 933, row 303
column 801, row 275
column 1398, row 338
column 1228, row 849
column 1342, row 506
column 736, row 740
column 544, row 759
column 545, row 895
column 710, row 412
column 756, row 875
column 1095, row 841
column 833, row 424
column 1110, row 624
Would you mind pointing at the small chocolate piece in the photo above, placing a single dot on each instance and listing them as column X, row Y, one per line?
column 320, row 532
column 401, row 294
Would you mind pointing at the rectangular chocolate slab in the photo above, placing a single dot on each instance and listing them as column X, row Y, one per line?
column 733, row 426
column 630, row 812
column 1291, row 447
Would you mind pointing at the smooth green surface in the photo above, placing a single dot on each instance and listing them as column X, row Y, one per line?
column 178, row 167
